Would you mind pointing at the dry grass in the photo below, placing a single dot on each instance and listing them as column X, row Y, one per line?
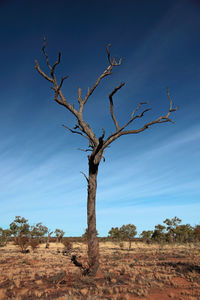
column 145, row 272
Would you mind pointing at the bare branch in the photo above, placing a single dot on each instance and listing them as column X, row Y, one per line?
column 104, row 74
column 85, row 129
column 62, row 80
column 111, row 105
column 84, row 150
column 80, row 100
column 103, row 134
column 162, row 119
column 57, row 89
column 55, row 64
column 47, row 58
column 137, row 108
column 41, row 72
column 137, row 116
column 170, row 109
column 133, row 118
column 112, row 62
column 45, row 54
column 85, row 176
column 108, row 52
column 74, row 131
column 90, row 91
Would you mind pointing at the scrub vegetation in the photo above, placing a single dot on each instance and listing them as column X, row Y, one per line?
column 163, row 263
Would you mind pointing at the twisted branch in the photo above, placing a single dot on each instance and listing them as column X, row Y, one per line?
column 74, row 131
column 111, row 105
column 112, row 62
column 97, row 145
column 162, row 119
column 104, row 74
column 121, row 131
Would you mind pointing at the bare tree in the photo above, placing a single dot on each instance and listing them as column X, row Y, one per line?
column 97, row 145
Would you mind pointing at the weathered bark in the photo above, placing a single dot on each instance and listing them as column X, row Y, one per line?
column 97, row 146
column 93, row 244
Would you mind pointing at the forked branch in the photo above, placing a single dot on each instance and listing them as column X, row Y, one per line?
column 111, row 105
column 108, row 71
column 112, row 62
column 75, row 131
column 121, row 131
column 161, row 119
column 85, row 129
column 98, row 144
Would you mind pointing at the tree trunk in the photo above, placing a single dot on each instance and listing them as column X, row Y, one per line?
column 130, row 241
column 93, row 244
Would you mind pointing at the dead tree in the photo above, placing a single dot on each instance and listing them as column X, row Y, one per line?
column 97, row 145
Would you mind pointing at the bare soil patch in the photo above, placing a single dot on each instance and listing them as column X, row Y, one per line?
column 145, row 272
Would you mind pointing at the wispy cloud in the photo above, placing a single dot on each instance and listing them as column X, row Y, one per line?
column 158, row 171
column 145, row 217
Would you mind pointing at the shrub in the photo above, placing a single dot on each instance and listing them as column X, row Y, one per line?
column 22, row 242
column 34, row 243
column 4, row 234
column 67, row 244
column 59, row 235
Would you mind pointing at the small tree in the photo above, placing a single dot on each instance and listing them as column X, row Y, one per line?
column 38, row 230
column 115, row 234
column 36, row 233
column 97, row 145
column 20, row 229
column 184, row 233
column 4, row 234
column 59, row 235
column 146, row 236
column 197, row 232
column 171, row 228
column 19, row 226
column 159, row 234
column 128, row 232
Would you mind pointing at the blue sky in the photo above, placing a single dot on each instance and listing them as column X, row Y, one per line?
column 146, row 178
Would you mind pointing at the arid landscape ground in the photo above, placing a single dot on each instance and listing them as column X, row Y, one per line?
column 151, row 272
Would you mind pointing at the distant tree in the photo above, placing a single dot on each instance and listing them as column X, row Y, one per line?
column 97, row 145
column 38, row 230
column 115, row 234
column 146, row 236
column 4, row 234
column 19, row 227
column 171, row 228
column 197, row 232
column 184, row 233
column 159, row 234
column 59, row 235
column 128, row 232
column 36, row 233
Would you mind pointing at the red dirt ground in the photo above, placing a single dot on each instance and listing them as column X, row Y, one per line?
column 145, row 272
